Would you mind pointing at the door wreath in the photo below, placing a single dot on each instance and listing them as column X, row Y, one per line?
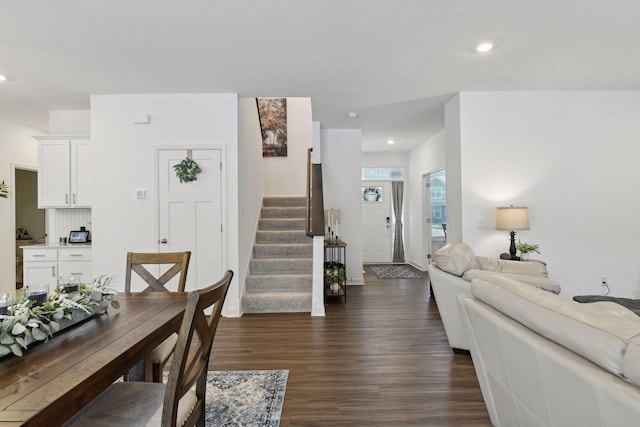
column 187, row 170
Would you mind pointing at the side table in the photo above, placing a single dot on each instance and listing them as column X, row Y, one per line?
column 335, row 269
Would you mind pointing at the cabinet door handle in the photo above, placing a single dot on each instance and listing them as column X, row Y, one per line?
column 75, row 274
column 37, row 255
column 75, row 254
column 74, row 198
column 66, row 198
column 53, row 271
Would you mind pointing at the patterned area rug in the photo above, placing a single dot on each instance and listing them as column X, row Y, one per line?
column 393, row 272
column 245, row 398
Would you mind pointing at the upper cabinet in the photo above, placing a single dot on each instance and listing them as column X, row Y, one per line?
column 64, row 176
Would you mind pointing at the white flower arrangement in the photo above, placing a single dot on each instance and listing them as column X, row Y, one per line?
column 26, row 324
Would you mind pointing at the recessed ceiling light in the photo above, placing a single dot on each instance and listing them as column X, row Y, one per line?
column 391, row 141
column 352, row 115
column 484, row 47
column 2, row 78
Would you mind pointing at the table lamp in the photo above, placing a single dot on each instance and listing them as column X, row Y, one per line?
column 512, row 218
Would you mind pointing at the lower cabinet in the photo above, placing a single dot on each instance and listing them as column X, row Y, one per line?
column 46, row 265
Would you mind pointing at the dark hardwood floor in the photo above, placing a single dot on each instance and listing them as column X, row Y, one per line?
column 380, row 360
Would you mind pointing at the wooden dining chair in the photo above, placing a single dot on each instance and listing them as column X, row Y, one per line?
column 177, row 263
column 177, row 403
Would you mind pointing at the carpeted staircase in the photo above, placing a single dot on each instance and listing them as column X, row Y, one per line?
column 280, row 273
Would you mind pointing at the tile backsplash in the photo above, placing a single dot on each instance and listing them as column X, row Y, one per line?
column 71, row 219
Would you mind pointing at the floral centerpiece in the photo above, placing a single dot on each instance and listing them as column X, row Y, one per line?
column 27, row 323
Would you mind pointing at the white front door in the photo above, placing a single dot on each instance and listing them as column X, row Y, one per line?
column 190, row 214
column 376, row 221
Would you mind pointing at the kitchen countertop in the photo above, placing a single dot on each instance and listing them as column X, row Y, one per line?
column 58, row 246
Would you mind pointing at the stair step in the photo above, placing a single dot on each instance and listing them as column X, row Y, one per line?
column 281, row 266
column 279, row 283
column 281, row 201
column 282, row 224
column 280, row 278
column 282, row 236
column 283, row 250
column 280, row 212
column 276, row 302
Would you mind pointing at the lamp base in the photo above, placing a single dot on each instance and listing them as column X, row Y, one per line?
column 505, row 255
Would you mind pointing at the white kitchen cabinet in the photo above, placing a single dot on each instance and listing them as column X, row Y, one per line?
column 75, row 262
column 64, row 172
column 45, row 264
column 40, row 266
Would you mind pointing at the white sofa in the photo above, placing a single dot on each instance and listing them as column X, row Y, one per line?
column 455, row 265
column 543, row 360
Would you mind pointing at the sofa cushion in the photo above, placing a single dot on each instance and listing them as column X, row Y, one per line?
column 529, row 268
column 631, row 363
column 536, row 281
column 455, row 258
column 599, row 332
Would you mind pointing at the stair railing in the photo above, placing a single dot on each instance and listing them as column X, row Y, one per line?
column 315, row 202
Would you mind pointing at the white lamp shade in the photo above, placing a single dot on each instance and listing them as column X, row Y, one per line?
column 512, row 218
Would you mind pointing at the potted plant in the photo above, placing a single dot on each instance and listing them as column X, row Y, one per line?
column 526, row 248
column 334, row 275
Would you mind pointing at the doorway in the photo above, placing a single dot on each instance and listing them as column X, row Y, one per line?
column 190, row 214
column 376, row 221
column 29, row 221
column 434, row 201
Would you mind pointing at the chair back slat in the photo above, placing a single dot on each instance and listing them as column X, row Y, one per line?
column 179, row 262
column 193, row 350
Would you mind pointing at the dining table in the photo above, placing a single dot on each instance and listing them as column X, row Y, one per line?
column 54, row 379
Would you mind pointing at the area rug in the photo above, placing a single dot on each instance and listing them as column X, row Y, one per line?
column 245, row 398
column 393, row 272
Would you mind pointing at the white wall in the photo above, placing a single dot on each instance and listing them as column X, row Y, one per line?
column 17, row 147
column 287, row 176
column 123, row 161
column 425, row 158
column 73, row 122
column 249, row 182
column 341, row 160
column 385, row 160
column 572, row 159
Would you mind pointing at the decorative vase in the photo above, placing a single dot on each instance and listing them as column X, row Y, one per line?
column 524, row 256
column 335, row 288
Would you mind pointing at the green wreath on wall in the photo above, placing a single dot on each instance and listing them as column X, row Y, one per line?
column 187, row 170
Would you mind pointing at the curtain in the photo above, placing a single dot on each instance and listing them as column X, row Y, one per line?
column 397, row 194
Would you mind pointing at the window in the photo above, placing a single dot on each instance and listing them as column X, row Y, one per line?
column 438, row 203
column 381, row 174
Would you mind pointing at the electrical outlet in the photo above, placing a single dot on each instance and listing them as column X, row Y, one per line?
column 604, row 285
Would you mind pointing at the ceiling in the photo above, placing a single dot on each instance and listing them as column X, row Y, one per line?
column 394, row 62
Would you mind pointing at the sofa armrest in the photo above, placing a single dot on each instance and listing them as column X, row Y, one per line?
column 528, row 268
column 446, row 288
